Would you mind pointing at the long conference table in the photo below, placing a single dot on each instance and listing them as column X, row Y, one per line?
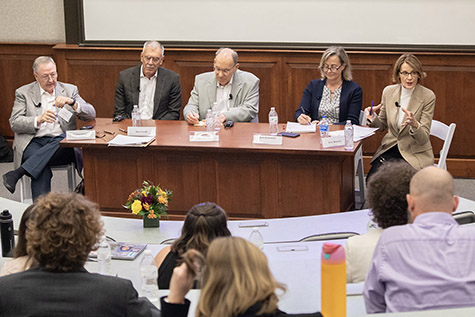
column 297, row 178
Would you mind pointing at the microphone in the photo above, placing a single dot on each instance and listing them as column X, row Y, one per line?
column 397, row 104
column 37, row 105
column 230, row 96
column 138, row 88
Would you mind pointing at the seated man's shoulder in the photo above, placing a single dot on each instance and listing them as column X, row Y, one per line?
column 247, row 76
column 167, row 72
column 27, row 87
column 130, row 71
column 204, row 76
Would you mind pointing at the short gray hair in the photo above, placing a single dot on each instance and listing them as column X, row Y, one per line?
column 42, row 60
column 344, row 59
column 234, row 54
column 153, row 45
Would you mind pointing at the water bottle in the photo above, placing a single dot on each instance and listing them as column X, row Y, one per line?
column 149, row 276
column 273, row 121
column 7, row 233
column 104, row 257
column 136, row 120
column 349, row 143
column 209, row 121
column 256, row 238
column 333, row 280
column 324, row 127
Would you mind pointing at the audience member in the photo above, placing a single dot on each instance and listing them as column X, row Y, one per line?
column 203, row 223
column 386, row 196
column 60, row 234
column 156, row 90
column 21, row 261
column 236, row 281
column 430, row 263
column 42, row 113
column 335, row 95
column 235, row 92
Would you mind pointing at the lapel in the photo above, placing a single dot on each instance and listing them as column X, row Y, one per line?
column 158, row 91
column 211, row 88
column 135, row 85
column 235, row 89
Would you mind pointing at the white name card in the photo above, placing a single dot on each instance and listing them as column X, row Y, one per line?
column 204, row 136
column 141, row 131
column 267, row 139
column 72, row 135
column 336, row 138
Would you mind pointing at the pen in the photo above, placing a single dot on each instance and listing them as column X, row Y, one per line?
column 304, row 112
column 109, row 132
column 371, row 110
column 122, row 130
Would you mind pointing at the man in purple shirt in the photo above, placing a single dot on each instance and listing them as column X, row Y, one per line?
column 429, row 264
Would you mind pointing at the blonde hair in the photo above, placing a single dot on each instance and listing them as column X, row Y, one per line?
column 344, row 60
column 412, row 61
column 236, row 277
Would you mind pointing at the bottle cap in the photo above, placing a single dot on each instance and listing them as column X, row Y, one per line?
column 333, row 253
column 147, row 252
column 5, row 214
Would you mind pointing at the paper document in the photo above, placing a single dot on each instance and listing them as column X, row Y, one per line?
column 300, row 128
column 124, row 140
column 360, row 133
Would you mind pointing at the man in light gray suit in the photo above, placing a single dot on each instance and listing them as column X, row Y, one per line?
column 42, row 113
column 154, row 89
column 235, row 92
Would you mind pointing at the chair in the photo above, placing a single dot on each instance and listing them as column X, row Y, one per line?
column 359, row 169
column 445, row 133
column 168, row 241
column 329, row 236
column 464, row 217
column 25, row 181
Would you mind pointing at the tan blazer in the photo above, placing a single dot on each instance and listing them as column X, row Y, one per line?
column 415, row 146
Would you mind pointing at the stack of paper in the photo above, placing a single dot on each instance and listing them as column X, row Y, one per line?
column 134, row 141
column 360, row 133
column 296, row 127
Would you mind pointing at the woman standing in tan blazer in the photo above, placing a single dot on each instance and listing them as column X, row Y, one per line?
column 406, row 111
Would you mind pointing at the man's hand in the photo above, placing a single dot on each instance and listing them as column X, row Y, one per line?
column 193, row 118
column 48, row 116
column 63, row 100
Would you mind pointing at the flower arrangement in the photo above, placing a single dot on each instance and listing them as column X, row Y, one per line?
column 149, row 201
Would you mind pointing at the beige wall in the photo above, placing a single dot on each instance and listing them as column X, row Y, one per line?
column 32, row 21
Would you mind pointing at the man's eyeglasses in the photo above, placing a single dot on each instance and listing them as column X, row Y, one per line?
column 153, row 59
column 413, row 74
column 225, row 71
column 47, row 76
column 333, row 68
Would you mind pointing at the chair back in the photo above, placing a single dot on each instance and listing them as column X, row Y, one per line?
column 329, row 236
column 445, row 133
column 362, row 117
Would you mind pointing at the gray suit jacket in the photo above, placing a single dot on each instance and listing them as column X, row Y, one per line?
column 167, row 100
column 415, row 147
column 25, row 109
column 244, row 105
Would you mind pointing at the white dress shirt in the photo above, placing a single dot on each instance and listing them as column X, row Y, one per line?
column 146, row 95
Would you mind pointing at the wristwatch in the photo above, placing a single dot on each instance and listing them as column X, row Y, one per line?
column 72, row 103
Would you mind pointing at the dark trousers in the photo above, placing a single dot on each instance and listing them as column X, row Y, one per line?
column 392, row 154
column 39, row 156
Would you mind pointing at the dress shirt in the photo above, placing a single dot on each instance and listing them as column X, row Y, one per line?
column 46, row 128
column 222, row 95
column 429, row 264
column 146, row 95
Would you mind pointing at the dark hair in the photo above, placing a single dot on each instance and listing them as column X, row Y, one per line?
column 62, row 231
column 20, row 248
column 203, row 223
column 387, row 191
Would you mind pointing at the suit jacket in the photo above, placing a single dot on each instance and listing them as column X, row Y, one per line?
column 415, row 146
column 40, row 292
column 351, row 99
column 25, row 110
column 244, row 105
column 167, row 99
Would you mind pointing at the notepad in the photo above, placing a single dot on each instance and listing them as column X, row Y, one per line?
column 300, row 128
column 133, row 141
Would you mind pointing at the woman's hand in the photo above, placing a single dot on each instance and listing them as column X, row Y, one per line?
column 370, row 114
column 410, row 120
column 304, row 119
column 180, row 283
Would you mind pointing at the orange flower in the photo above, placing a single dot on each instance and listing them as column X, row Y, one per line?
column 146, row 206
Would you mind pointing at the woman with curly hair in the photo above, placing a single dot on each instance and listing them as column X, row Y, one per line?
column 61, row 232
column 203, row 223
column 387, row 192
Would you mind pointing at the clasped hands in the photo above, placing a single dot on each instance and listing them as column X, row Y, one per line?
column 194, row 118
column 49, row 116
column 409, row 120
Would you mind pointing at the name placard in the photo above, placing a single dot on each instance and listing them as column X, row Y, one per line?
column 141, row 131
column 267, row 139
column 204, row 136
column 72, row 135
column 336, row 138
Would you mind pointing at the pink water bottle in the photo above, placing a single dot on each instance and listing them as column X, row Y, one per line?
column 333, row 280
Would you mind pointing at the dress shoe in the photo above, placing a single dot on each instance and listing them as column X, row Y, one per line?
column 10, row 180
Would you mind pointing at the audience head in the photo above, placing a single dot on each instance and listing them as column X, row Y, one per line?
column 44, row 70
column 387, row 190
column 62, row 231
column 225, row 65
column 408, row 68
column 151, row 57
column 432, row 189
column 20, row 248
column 236, row 276
column 203, row 223
column 335, row 63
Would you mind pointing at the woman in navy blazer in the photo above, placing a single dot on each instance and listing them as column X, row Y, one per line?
column 335, row 95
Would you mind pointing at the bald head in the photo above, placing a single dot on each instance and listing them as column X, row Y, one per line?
column 432, row 189
column 225, row 65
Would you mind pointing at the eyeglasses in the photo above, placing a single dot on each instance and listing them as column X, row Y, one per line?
column 225, row 71
column 413, row 74
column 47, row 76
column 153, row 59
column 333, row 68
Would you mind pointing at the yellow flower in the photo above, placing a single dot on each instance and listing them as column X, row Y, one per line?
column 136, row 207
column 163, row 200
column 146, row 206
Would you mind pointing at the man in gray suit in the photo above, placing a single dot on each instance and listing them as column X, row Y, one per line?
column 156, row 90
column 42, row 113
column 235, row 92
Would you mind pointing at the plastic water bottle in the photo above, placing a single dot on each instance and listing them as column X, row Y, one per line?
column 209, row 121
column 104, row 257
column 349, row 143
column 256, row 238
column 136, row 120
column 333, row 280
column 273, row 121
column 149, row 275
column 324, row 128
column 7, row 233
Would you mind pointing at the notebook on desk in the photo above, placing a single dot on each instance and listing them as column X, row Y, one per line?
column 123, row 251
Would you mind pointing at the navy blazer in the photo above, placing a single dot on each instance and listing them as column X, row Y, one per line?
column 351, row 100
